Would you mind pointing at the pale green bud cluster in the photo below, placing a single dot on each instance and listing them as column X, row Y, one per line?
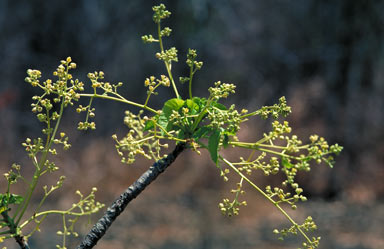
column 152, row 83
column 63, row 139
column 221, row 90
column 136, row 141
column 194, row 66
column 191, row 60
column 308, row 225
column 49, row 108
column 280, row 196
column 270, row 167
column 279, row 128
column 321, row 151
column 168, row 55
column 274, row 111
column 33, row 77
column 148, row 39
column 33, row 147
column 64, row 90
column 228, row 120
column 13, row 174
column 231, row 208
column 86, row 206
column 165, row 32
column 160, row 13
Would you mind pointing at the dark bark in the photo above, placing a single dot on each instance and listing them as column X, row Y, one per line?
column 21, row 241
column 118, row 206
column 13, row 230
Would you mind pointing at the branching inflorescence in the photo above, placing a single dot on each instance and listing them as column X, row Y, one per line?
column 199, row 122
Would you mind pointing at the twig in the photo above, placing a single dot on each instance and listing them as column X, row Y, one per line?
column 13, row 230
column 118, row 206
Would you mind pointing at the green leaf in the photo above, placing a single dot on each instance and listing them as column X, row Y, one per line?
column 149, row 125
column 172, row 105
column 286, row 163
column 15, row 199
column 213, row 145
column 192, row 106
column 6, row 199
column 2, row 209
column 181, row 134
column 169, row 106
column 163, row 122
column 201, row 132
column 219, row 106
column 225, row 140
column 200, row 101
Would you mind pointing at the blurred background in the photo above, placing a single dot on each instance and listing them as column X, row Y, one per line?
column 326, row 57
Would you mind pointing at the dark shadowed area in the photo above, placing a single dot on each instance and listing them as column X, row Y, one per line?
column 326, row 57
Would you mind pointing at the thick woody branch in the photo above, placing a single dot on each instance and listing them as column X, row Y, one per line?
column 118, row 206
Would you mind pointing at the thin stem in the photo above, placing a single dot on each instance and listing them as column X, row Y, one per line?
column 123, row 100
column 146, row 101
column 190, row 82
column 62, row 212
column 245, row 178
column 167, row 133
column 39, row 165
column 150, row 93
column 14, row 231
column 36, row 175
column 45, row 197
column 264, row 139
column 65, row 231
column 256, row 112
column 5, row 232
column 89, row 108
column 238, row 192
column 256, row 146
column 37, row 227
column 201, row 115
column 167, row 65
column 48, row 128
column 276, row 204
column 158, row 137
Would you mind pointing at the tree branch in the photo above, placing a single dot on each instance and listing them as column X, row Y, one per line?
column 13, row 230
column 118, row 206
column 21, row 241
